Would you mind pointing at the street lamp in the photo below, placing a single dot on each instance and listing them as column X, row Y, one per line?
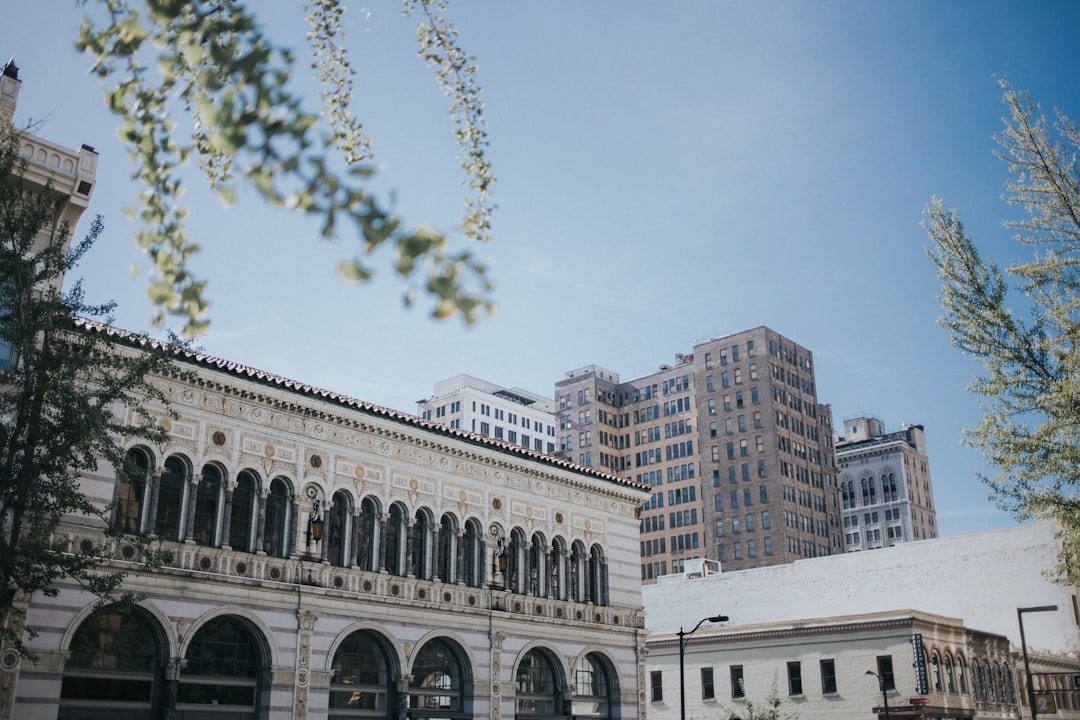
column 884, row 694
column 682, row 651
column 1023, row 645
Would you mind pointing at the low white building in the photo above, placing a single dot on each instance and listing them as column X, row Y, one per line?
column 974, row 582
column 831, row 668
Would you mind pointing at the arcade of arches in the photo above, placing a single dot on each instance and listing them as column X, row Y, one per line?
column 121, row 665
column 250, row 514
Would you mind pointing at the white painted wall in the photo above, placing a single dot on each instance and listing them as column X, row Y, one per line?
column 980, row 578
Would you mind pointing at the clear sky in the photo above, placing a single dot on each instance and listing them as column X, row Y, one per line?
column 667, row 172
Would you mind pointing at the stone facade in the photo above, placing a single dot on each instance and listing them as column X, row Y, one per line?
column 325, row 554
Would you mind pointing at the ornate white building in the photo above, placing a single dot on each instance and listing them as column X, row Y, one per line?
column 330, row 558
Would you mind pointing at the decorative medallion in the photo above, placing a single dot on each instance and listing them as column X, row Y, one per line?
column 497, row 504
column 316, row 461
column 269, row 451
column 558, row 517
column 413, row 484
column 360, row 472
column 219, row 438
column 463, row 496
column 165, row 425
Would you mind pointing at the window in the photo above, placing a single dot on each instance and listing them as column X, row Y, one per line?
column 438, row 686
column 592, row 681
column 935, row 662
column 737, row 689
column 222, row 669
column 794, row 678
column 828, row 677
column 885, row 671
column 708, row 692
column 656, row 682
column 132, row 491
column 361, row 679
column 114, row 665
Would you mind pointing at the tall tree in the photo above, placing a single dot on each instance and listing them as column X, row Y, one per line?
column 211, row 62
column 1028, row 346
column 60, row 390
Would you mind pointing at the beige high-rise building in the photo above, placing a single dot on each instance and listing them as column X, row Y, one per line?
column 733, row 441
column 885, row 486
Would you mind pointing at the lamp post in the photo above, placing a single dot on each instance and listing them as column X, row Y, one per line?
column 1023, row 646
column 884, row 693
column 682, row 652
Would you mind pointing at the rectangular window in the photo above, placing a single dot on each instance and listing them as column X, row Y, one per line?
column 656, row 682
column 708, row 692
column 828, row 677
column 794, row 678
column 737, row 689
column 885, row 672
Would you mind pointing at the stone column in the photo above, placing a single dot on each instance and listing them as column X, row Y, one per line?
column 382, row 541
column 152, row 498
column 189, row 508
column 436, row 551
column 305, row 620
column 410, row 533
column 495, row 695
column 226, row 523
column 354, row 551
column 260, row 521
column 291, row 531
column 459, row 554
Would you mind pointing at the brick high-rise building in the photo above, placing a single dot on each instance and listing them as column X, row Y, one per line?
column 733, row 441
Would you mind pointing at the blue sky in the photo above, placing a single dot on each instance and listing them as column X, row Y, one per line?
column 667, row 172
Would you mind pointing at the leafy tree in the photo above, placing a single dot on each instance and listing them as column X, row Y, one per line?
column 1028, row 346
column 767, row 709
column 60, row 388
column 211, row 61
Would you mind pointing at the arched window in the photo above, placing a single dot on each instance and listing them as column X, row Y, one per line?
column 597, row 577
column 537, row 566
column 242, row 512
column 208, row 498
column 577, row 572
column 337, row 525
column 950, row 681
column 558, row 582
column 445, row 560
column 170, row 499
column 366, row 534
column 395, row 530
column 516, row 560
column 220, row 678
column 537, row 689
column 276, row 524
column 361, row 684
column 439, row 687
column 978, row 678
column 115, row 667
column 131, row 493
column 935, row 663
column 592, row 687
column 472, row 555
column 421, row 541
